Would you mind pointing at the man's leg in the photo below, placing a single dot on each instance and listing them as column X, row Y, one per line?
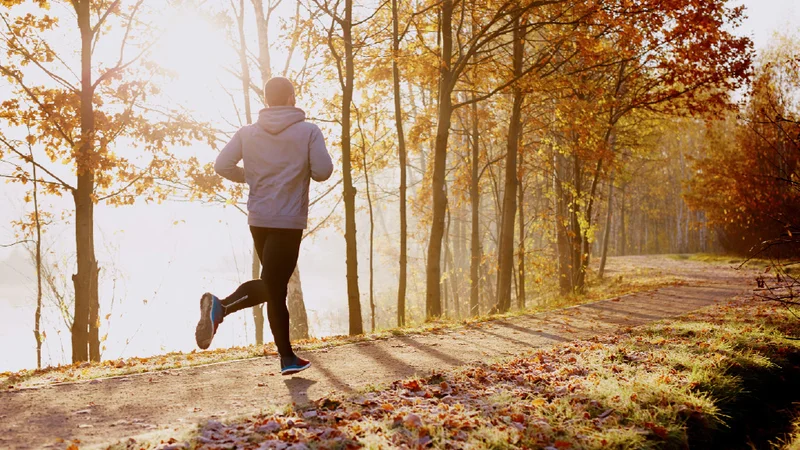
column 213, row 310
column 279, row 258
column 253, row 292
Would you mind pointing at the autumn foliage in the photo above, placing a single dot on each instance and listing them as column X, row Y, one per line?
column 747, row 181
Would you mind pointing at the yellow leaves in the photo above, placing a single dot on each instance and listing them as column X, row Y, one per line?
column 538, row 402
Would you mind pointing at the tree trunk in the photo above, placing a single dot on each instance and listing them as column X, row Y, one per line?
column 607, row 229
column 433, row 301
column 655, row 238
column 562, row 226
column 298, row 323
column 38, row 226
column 584, row 250
column 457, row 263
column 262, row 30
column 85, row 336
column 622, row 237
column 371, row 242
column 401, row 150
column 258, row 310
column 521, row 248
column 505, row 263
column 353, row 295
column 475, row 203
column 576, row 235
column 446, row 267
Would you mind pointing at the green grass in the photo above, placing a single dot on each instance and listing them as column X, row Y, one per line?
column 718, row 259
column 669, row 385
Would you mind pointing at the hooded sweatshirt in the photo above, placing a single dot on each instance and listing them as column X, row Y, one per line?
column 281, row 153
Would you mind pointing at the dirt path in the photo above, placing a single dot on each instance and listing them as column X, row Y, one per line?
column 106, row 411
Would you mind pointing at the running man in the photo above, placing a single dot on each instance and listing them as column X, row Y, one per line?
column 281, row 152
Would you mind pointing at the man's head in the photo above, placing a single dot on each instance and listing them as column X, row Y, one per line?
column 279, row 91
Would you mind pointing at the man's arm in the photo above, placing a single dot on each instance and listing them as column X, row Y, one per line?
column 318, row 157
column 229, row 157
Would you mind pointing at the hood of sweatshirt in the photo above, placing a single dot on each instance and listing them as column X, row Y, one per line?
column 278, row 118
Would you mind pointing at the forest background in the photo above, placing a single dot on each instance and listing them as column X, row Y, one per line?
column 166, row 230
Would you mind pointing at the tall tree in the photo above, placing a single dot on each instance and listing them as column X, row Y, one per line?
column 492, row 23
column 505, row 264
column 79, row 116
column 341, row 50
column 255, row 267
column 645, row 59
column 402, row 155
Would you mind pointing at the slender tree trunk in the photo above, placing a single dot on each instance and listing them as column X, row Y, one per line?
column 457, row 263
column 607, row 229
column 258, row 310
column 446, row 267
column 37, row 319
column 576, row 235
column 262, row 30
column 353, row 295
column 641, row 231
column 521, row 249
column 562, row 226
column 655, row 238
column 371, row 242
column 401, row 150
column 433, row 301
column 85, row 333
column 585, row 251
column 255, row 269
column 622, row 238
column 475, row 203
column 298, row 326
column 505, row 263
column 451, row 267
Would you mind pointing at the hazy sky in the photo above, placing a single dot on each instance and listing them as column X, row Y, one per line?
column 765, row 17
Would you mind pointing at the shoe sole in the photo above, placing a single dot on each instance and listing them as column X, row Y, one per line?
column 295, row 370
column 205, row 329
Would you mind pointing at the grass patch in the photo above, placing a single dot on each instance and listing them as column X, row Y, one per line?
column 718, row 259
column 687, row 382
column 792, row 441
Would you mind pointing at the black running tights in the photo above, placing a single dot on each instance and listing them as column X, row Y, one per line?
column 277, row 249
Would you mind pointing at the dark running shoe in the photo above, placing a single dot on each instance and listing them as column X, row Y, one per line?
column 293, row 364
column 211, row 313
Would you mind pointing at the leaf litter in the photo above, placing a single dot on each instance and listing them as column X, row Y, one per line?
column 641, row 388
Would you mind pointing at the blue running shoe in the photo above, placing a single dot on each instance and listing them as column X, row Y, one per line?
column 292, row 364
column 211, row 314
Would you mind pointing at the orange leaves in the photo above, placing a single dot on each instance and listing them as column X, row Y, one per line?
column 657, row 430
column 412, row 385
column 48, row 106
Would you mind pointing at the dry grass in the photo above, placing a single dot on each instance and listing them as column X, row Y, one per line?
column 652, row 387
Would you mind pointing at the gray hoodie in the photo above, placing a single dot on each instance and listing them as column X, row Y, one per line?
column 281, row 152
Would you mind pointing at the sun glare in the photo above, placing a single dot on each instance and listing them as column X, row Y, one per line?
column 193, row 48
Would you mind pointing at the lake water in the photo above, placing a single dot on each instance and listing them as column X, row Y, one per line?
column 154, row 273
